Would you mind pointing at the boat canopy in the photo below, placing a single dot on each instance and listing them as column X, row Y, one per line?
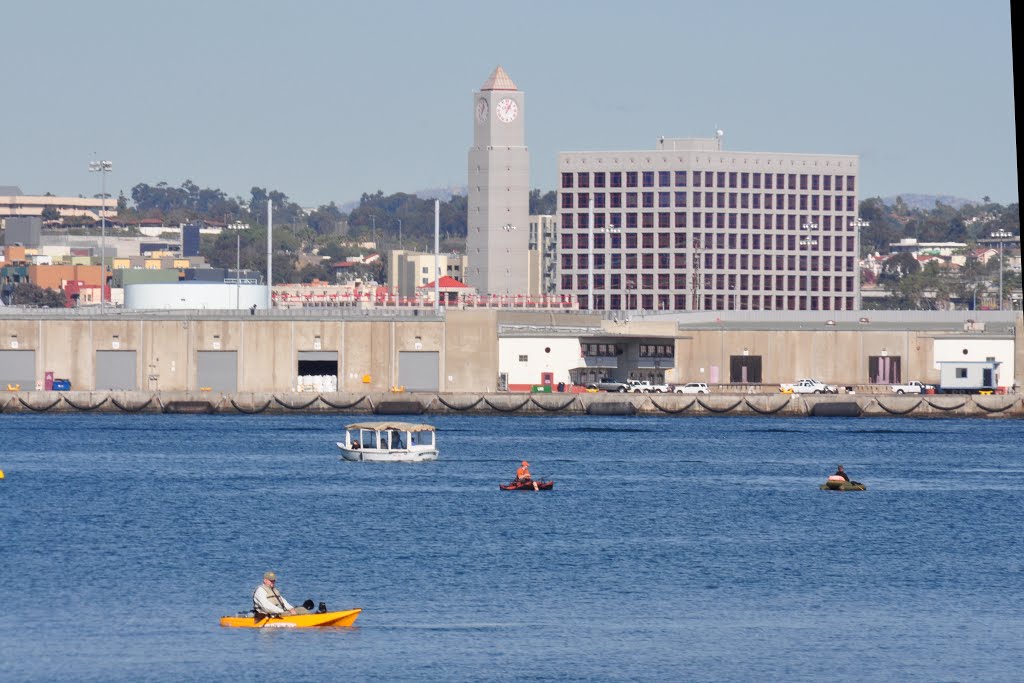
column 397, row 426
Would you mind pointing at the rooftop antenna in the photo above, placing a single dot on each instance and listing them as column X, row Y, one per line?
column 719, row 133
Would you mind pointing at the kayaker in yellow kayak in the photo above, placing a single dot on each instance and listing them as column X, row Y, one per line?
column 268, row 601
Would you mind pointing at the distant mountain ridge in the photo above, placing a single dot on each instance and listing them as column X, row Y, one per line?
column 926, row 202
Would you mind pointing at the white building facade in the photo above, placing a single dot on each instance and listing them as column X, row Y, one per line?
column 499, row 190
column 690, row 226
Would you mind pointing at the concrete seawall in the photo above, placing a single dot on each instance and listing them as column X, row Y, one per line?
column 789, row 405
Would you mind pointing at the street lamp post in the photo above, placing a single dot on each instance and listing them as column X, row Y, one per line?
column 1000, row 235
column 809, row 241
column 103, row 167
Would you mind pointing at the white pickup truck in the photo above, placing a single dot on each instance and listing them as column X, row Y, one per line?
column 911, row 387
column 808, row 386
column 642, row 386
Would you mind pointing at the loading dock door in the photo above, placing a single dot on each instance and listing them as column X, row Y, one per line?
column 18, row 368
column 116, row 370
column 418, row 370
column 218, row 371
column 318, row 363
column 745, row 369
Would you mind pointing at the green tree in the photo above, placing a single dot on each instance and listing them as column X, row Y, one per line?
column 51, row 214
column 28, row 294
column 543, row 204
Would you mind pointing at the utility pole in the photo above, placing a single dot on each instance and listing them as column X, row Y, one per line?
column 103, row 167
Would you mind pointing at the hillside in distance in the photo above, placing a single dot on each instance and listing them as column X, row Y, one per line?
column 926, row 202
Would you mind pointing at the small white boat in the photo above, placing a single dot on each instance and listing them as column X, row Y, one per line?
column 388, row 442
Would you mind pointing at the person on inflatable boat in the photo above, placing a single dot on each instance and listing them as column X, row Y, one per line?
column 267, row 600
column 840, row 472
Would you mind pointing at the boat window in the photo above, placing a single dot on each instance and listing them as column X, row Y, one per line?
column 425, row 438
column 369, row 439
column 397, row 440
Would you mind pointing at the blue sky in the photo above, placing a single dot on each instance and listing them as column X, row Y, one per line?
column 327, row 100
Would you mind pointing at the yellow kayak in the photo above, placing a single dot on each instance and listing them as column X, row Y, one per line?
column 344, row 618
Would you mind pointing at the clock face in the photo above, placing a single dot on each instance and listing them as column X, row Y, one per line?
column 481, row 110
column 507, row 110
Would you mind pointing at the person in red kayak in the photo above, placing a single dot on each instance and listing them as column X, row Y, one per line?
column 267, row 600
column 523, row 476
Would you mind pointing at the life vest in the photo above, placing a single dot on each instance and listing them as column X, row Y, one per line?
column 272, row 597
column 523, row 473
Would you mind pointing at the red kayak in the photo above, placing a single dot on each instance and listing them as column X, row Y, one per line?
column 527, row 486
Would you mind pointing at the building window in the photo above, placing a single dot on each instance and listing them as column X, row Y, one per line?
column 599, row 179
column 681, row 219
column 567, row 180
column 648, row 178
column 631, row 178
column 583, row 179
column 523, row 358
column 648, row 200
column 664, row 200
column 664, row 178
column 615, row 178
column 631, row 200
column 615, row 200
column 566, row 200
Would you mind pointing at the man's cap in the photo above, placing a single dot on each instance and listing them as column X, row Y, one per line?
column 270, row 575
column 525, row 464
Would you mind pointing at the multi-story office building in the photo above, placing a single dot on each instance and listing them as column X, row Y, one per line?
column 543, row 250
column 691, row 226
column 410, row 270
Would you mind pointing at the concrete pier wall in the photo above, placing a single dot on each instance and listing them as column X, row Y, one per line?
column 386, row 403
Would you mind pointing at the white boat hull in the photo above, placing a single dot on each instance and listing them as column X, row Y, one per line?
column 374, row 455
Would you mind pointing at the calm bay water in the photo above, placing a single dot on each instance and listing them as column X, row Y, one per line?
column 671, row 549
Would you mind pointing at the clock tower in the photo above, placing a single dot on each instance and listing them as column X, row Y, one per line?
column 497, row 236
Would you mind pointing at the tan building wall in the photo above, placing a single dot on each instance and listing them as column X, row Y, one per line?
column 466, row 342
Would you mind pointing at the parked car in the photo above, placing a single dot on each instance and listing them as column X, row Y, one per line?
column 692, row 388
column 607, row 384
column 808, row 386
column 642, row 386
column 911, row 387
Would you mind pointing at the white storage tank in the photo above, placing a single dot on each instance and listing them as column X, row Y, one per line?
column 194, row 295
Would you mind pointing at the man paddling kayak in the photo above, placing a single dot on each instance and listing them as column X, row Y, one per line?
column 267, row 600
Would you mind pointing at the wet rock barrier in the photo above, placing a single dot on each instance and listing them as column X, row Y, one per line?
column 428, row 403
